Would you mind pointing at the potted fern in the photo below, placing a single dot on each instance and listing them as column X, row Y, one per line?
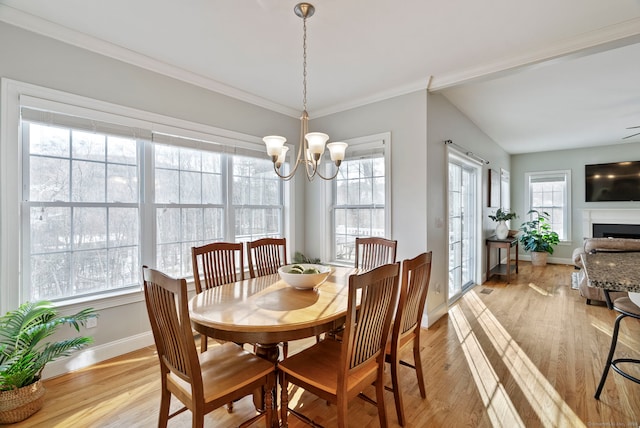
column 538, row 237
column 23, row 355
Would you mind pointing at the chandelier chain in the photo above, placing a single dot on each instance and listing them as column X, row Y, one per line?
column 304, row 63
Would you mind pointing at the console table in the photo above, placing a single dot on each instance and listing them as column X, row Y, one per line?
column 502, row 269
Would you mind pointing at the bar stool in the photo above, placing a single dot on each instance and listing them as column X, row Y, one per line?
column 628, row 307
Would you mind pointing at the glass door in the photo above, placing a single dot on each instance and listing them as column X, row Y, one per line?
column 463, row 235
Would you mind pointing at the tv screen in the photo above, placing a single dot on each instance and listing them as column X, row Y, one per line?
column 618, row 181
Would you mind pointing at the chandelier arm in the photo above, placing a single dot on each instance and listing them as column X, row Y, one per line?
column 310, row 168
column 327, row 178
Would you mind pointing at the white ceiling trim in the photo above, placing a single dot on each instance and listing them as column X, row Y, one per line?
column 419, row 85
column 48, row 29
column 605, row 38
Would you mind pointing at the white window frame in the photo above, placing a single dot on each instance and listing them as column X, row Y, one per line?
column 566, row 212
column 375, row 142
column 11, row 93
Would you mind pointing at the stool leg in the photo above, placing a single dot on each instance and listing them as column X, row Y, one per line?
column 614, row 341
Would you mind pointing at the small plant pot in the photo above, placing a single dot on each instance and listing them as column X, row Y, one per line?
column 18, row 404
column 538, row 258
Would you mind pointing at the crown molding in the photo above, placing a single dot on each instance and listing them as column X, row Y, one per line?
column 49, row 29
column 417, row 85
column 610, row 37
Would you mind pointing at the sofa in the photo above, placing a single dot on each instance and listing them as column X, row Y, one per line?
column 594, row 245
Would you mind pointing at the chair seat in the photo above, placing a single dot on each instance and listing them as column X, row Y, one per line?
column 225, row 368
column 318, row 367
column 626, row 305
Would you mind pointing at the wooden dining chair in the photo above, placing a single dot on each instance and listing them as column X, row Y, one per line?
column 201, row 381
column 372, row 252
column 338, row 371
column 414, row 286
column 216, row 264
column 266, row 255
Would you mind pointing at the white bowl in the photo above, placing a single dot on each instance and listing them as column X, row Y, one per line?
column 304, row 281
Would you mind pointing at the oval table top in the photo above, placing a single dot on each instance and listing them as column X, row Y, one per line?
column 267, row 310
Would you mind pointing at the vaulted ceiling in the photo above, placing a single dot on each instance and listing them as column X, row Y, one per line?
column 532, row 75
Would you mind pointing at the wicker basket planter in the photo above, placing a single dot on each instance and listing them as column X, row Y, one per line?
column 18, row 404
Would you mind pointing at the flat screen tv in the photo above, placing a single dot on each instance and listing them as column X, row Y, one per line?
column 618, row 181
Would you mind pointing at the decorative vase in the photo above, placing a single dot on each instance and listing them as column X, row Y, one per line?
column 502, row 230
column 18, row 404
column 538, row 258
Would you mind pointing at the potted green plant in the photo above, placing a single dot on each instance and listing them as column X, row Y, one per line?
column 538, row 238
column 23, row 354
column 502, row 216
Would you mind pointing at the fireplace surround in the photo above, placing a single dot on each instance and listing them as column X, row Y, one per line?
column 614, row 222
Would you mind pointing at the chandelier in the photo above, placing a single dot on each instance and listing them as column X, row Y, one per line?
column 312, row 144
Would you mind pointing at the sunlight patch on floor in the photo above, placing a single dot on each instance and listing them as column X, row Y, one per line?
column 499, row 407
column 543, row 398
column 539, row 289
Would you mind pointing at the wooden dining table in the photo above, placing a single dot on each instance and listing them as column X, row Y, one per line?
column 266, row 311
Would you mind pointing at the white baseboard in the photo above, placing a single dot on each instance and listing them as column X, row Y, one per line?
column 431, row 317
column 552, row 260
column 96, row 354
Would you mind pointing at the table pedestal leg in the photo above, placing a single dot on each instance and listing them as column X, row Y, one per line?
column 271, row 353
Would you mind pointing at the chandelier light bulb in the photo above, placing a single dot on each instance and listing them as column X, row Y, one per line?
column 274, row 144
column 337, row 151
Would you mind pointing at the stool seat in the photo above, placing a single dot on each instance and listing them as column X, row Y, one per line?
column 627, row 308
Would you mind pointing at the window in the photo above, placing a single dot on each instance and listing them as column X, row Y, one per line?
column 360, row 196
column 550, row 191
column 257, row 199
column 102, row 196
column 82, row 206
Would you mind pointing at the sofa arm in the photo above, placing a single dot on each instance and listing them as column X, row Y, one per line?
column 577, row 261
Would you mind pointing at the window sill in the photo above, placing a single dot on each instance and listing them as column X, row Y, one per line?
column 102, row 301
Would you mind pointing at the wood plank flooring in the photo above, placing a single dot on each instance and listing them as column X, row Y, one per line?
column 526, row 354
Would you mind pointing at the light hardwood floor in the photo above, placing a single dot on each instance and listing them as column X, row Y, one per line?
column 525, row 354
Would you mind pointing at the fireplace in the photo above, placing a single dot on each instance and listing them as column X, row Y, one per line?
column 610, row 230
column 614, row 222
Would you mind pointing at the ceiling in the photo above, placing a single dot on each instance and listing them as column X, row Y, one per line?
column 533, row 76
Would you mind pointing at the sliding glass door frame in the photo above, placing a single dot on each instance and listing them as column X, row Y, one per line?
column 471, row 220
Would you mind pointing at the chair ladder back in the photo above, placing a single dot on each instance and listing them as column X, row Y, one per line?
column 166, row 301
column 372, row 252
column 368, row 324
column 416, row 274
column 266, row 255
column 220, row 262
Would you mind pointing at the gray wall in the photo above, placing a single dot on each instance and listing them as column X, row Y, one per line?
column 30, row 58
column 419, row 123
column 446, row 122
column 575, row 160
column 405, row 118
